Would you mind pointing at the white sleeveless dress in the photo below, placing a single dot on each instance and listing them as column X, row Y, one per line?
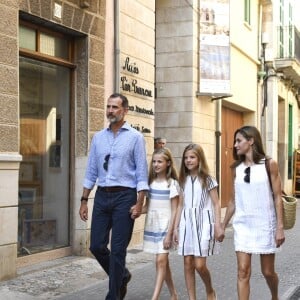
column 254, row 222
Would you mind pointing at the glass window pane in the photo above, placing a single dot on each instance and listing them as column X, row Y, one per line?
column 44, row 145
column 54, row 46
column 27, row 38
column 247, row 12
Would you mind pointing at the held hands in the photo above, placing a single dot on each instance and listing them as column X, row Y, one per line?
column 219, row 232
column 175, row 237
column 136, row 210
column 167, row 242
column 144, row 209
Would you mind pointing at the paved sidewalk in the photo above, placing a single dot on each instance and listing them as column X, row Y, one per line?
column 81, row 278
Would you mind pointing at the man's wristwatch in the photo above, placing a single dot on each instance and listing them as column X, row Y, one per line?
column 84, row 199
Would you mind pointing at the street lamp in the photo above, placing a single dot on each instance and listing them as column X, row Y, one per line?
column 264, row 70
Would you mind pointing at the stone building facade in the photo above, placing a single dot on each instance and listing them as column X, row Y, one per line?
column 59, row 62
column 34, row 57
column 205, row 92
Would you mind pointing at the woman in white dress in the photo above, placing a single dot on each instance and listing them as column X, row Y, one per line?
column 197, row 223
column 161, row 205
column 257, row 209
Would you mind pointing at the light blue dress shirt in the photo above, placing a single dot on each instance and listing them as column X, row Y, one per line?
column 127, row 164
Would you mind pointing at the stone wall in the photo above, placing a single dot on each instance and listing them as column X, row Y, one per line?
column 9, row 144
column 181, row 116
column 85, row 21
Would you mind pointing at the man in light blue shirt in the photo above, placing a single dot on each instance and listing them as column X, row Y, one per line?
column 117, row 164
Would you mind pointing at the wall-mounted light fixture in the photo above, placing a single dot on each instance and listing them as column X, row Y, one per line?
column 263, row 66
column 220, row 97
column 298, row 98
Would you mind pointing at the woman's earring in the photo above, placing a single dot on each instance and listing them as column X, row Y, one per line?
column 254, row 148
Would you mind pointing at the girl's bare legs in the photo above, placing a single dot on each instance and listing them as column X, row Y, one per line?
column 267, row 262
column 244, row 273
column 161, row 262
column 170, row 282
column 189, row 274
column 162, row 273
column 200, row 265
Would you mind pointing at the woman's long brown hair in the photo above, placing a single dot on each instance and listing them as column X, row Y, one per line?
column 249, row 132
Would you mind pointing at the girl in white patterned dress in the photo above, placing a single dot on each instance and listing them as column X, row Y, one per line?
column 257, row 209
column 161, row 205
column 197, row 223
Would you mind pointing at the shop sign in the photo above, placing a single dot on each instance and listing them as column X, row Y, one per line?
column 141, row 128
column 141, row 110
column 131, row 85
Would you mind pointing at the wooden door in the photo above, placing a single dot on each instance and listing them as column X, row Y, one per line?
column 33, row 149
column 231, row 121
column 32, row 136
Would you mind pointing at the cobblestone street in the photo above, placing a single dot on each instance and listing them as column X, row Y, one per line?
column 78, row 278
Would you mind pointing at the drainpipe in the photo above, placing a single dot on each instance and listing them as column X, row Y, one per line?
column 218, row 105
column 198, row 54
column 218, row 141
column 117, row 45
column 218, row 133
column 260, row 76
column 262, row 85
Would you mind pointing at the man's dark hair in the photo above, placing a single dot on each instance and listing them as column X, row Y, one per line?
column 123, row 98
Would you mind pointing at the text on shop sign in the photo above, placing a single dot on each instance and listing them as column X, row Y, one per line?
column 131, row 85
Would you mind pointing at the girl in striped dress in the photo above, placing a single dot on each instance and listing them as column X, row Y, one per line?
column 161, row 205
column 197, row 223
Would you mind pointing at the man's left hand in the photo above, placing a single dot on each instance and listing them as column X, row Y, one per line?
column 136, row 210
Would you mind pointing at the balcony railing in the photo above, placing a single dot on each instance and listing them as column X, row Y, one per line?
column 288, row 38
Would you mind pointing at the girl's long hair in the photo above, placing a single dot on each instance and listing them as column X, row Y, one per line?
column 171, row 170
column 203, row 170
column 258, row 151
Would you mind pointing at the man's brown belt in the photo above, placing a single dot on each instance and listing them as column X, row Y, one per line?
column 112, row 189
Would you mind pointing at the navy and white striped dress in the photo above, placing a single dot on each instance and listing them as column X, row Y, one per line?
column 196, row 228
column 158, row 215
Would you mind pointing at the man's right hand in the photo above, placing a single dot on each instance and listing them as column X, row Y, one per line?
column 83, row 211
